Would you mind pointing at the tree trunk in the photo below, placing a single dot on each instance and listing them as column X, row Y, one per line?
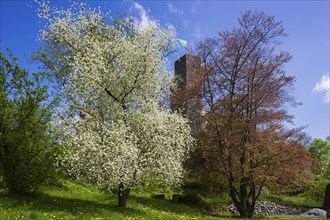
column 242, row 202
column 245, row 209
column 122, row 195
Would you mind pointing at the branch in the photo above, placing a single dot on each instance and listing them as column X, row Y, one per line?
column 111, row 95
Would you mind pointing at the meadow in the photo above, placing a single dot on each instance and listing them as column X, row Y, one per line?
column 70, row 200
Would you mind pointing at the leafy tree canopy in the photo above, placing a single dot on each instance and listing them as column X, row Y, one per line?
column 116, row 78
column 245, row 90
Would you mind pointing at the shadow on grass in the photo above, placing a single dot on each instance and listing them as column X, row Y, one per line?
column 46, row 203
column 162, row 205
column 102, row 206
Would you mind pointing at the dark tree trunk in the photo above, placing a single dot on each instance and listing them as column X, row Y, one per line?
column 242, row 201
column 122, row 195
column 245, row 208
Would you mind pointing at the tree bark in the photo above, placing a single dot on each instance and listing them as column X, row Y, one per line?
column 242, row 202
column 245, row 209
column 122, row 195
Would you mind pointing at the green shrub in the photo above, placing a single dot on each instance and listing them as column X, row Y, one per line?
column 315, row 189
column 26, row 142
column 193, row 199
column 191, row 180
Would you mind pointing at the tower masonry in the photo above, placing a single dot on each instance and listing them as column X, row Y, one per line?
column 186, row 69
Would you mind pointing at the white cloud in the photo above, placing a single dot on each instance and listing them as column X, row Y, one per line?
column 197, row 33
column 145, row 20
column 174, row 10
column 323, row 85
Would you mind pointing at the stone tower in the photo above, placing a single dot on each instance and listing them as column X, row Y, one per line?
column 186, row 68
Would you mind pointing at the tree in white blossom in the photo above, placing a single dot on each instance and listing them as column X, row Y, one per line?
column 118, row 133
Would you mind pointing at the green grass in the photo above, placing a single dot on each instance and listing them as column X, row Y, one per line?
column 73, row 201
column 301, row 201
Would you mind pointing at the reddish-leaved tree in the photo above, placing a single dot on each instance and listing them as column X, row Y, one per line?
column 245, row 91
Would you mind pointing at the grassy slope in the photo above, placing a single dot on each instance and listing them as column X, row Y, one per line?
column 300, row 201
column 77, row 202
column 73, row 201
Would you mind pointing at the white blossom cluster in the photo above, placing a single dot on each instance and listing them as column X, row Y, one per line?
column 119, row 75
column 147, row 144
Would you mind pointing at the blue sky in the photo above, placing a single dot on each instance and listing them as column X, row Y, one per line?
column 306, row 22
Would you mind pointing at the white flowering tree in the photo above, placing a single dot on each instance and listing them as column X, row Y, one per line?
column 116, row 76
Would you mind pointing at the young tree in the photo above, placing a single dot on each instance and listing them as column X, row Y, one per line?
column 321, row 150
column 117, row 132
column 26, row 144
column 245, row 91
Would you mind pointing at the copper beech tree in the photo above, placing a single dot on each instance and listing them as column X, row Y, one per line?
column 244, row 91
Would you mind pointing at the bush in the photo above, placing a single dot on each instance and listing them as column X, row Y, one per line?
column 201, row 174
column 26, row 143
column 28, row 169
column 315, row 189
column 207, row 202
column 193, row 199
column 191, row 180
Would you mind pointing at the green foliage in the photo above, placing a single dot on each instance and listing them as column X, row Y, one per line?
column 301, row 201
column 315, row 189
column 211, row 181
column 311, row 195
column 26, row 157
column 191, row 179
column 193, row 199
column 321, row 150
column 214, row 182
column 208, row 202
column 203, row 173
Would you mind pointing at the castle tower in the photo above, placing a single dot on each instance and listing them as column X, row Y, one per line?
column 186, row 69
